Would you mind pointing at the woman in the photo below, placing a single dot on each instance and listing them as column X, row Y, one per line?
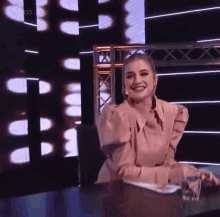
column 140, row 136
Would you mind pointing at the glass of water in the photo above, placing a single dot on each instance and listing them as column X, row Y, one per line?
column 191, row 186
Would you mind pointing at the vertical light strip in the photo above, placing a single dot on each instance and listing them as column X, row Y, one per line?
column 73, row 101
column 42, row 23
column 136, row 21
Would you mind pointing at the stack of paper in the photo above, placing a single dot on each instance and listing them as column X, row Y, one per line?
column 164, row 189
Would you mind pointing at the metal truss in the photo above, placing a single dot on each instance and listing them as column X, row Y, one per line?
column 107, row 58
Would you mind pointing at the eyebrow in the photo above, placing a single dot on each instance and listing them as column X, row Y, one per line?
column 130, row 72
column 142, row 70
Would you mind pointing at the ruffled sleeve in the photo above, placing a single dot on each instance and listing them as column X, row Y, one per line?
column 180, row 121
column 113, row 129
column 182, row 117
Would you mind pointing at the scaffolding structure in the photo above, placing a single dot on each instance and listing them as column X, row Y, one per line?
column 107, row 58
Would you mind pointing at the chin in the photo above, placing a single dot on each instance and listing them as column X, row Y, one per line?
column 140, row 97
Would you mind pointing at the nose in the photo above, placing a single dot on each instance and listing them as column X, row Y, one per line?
column 137, row 79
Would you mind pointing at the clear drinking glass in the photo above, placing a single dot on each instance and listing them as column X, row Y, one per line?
column 191, row 186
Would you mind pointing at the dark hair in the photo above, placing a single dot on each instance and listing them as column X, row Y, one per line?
column 130, row 59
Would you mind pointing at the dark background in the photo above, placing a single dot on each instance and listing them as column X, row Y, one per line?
column 47, row 154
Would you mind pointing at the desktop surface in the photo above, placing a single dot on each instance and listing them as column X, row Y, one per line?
column 112, row 199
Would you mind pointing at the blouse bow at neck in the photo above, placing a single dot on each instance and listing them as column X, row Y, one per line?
column 156, row 108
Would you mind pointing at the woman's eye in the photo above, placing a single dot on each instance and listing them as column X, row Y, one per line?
column 129, row 76
column 144, row 74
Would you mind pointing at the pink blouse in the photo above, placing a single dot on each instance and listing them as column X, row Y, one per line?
column 138, row 148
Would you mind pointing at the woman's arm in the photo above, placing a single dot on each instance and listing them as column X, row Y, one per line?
column 182, row 117
column 125, row 167
column 177, row 169
column 179, row 125
column 115, row 140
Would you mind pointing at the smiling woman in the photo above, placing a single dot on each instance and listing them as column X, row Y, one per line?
column 137, row 66
column 139, row 137
column 139, row 77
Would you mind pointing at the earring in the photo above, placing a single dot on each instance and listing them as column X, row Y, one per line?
column 126, row 92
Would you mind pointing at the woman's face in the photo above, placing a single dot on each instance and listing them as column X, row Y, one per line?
column 139, row 79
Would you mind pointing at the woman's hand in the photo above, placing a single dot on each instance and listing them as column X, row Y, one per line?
column 178, row 169
column 208, row 177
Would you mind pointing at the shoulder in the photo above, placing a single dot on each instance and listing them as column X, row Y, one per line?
column 176, row 108
column 113, row 114
column 115, row 109
column 113, row 125
column 167, row 106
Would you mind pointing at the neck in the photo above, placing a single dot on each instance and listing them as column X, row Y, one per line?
column 145, row 104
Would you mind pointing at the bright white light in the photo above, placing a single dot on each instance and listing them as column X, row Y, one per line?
column 46, row 148
column 40, row 12
column 184, row 12
column 70, row 27
column 30, row 51
column 45, row 124
column 203, row 132
column 105, row 96
column 101, row 58
column 105, row 21
column 135, row 20
column 86, row 52
column 30, row 24
column 42, row 25
column 102, row 108
column 15, row 13
column 20, row 156
column 17, row 2
column 104, row 87
column 33, row 79
column 189, row 162
column 71, row 147
column 77, row 122
column 189, row 73
column 72, row 63
column 217, row 39
column 44, row 87
column 74, row 87
column 103, row 1
column 88, row 26
column 131, row 33
column 18, row 128
column 70, row 4
column 73, row 99
column 134, row 51
column 17, row 85
column 192, row 102
column 74, row 111
column 40, row 3
column 70, row 134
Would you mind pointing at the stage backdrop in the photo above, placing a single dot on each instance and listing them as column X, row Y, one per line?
column 47, row 71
